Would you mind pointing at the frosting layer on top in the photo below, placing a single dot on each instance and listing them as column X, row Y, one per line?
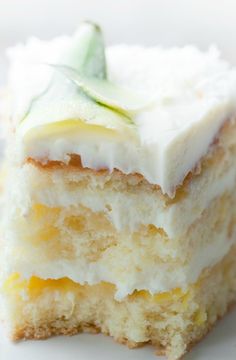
column 194, row 92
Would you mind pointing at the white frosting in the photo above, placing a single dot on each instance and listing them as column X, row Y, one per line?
column 195, row 91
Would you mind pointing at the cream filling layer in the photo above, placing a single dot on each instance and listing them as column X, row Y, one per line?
column 126, row 277
column 126, row 212
column 161, row 278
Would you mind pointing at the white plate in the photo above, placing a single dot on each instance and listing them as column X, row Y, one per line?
column 220, row 344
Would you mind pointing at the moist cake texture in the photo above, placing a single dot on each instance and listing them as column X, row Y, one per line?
column 118, row 194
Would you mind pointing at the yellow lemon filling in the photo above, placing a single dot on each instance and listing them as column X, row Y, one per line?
column 34, row 287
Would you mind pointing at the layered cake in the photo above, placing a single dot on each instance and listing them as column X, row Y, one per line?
column 118, row 192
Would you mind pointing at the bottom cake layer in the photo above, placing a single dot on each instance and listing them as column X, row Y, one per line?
column 171, row 321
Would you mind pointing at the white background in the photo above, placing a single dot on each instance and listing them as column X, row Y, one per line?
column 165, row 22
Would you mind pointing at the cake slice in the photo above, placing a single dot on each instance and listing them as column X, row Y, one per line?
column 119, row 206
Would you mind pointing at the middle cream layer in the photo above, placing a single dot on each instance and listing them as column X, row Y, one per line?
column 92, row 228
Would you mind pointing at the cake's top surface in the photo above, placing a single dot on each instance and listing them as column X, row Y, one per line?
column 194, row 92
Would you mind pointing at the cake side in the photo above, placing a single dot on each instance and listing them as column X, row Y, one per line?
column 119, row 211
